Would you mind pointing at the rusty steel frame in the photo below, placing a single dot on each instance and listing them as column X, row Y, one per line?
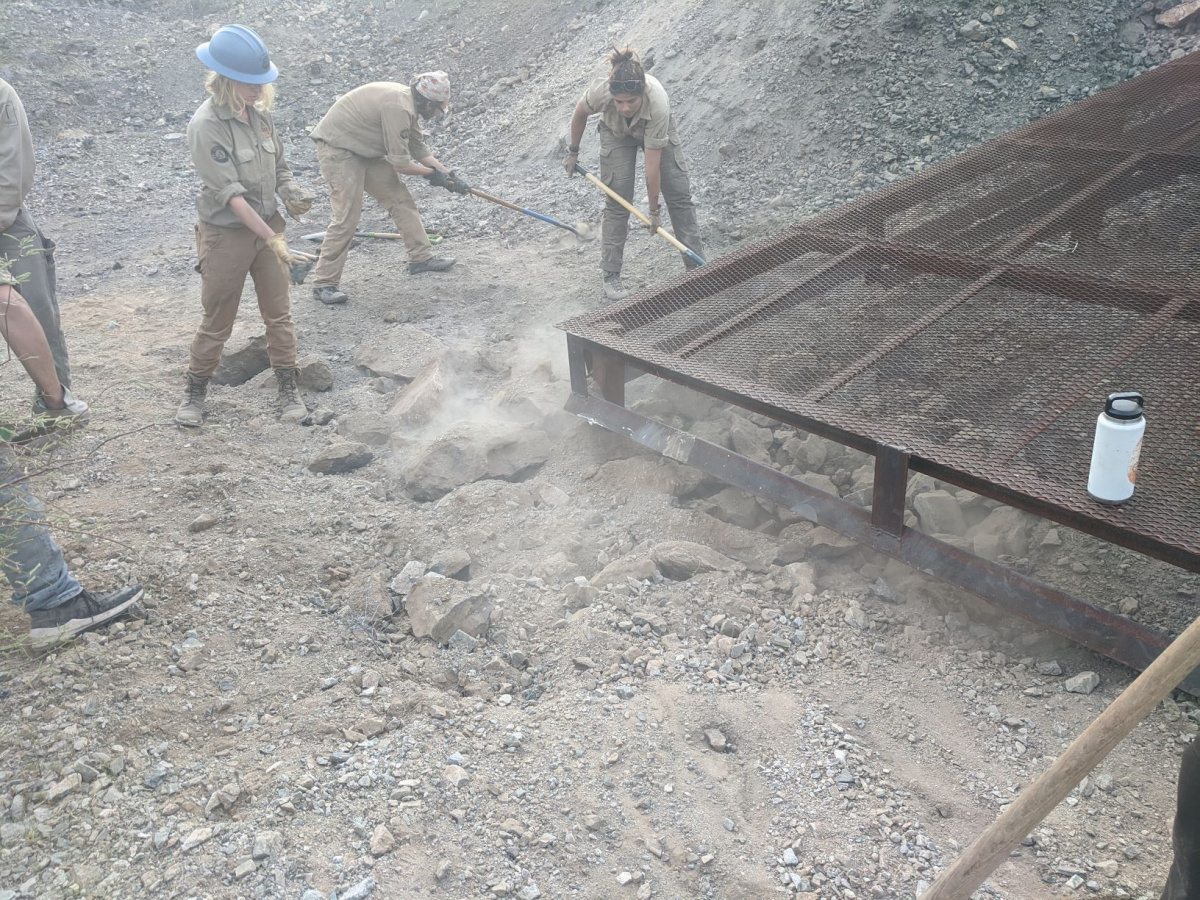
column 854, row 243
column 880, row 528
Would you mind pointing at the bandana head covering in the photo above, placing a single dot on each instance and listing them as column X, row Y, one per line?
column 434, row 86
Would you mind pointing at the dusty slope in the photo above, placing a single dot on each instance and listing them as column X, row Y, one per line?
column 573, row 719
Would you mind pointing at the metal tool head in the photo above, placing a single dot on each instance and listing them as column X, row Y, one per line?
column 300, row 269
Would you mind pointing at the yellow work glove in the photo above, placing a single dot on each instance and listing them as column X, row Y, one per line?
column 297, row 201
column 655, row 221
column 277, row 244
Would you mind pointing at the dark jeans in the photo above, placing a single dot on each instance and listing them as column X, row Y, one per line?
column 32, row 254
column 1183, row 882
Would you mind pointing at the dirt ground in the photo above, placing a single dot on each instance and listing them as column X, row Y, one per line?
column 736, row 725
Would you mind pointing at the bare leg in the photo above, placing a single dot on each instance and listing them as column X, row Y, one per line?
column 25, row 337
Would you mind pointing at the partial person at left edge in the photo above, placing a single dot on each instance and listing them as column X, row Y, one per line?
column 58, row 607
column 27, row 280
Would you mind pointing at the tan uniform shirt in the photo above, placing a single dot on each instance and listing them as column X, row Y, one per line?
column 16, row 155
column 652, row 125
column 236, row 159
column 376, row 121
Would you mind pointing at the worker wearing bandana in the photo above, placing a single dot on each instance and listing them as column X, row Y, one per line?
column 634, row 114
column 366, row 140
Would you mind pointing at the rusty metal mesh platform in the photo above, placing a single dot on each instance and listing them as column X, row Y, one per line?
column 977, row 314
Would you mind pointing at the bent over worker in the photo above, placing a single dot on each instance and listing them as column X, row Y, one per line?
column 366, row 140
column 634, row 113
column 239, row 158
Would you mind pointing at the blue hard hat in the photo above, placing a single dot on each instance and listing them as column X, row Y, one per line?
column 238, row 53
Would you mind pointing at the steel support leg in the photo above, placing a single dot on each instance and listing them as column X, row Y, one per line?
column 891, row 482
column 608, row 373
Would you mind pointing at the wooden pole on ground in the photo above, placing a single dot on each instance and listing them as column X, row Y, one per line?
column 1036, row 802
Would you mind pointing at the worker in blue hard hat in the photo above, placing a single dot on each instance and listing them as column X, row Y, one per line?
column 239, row 158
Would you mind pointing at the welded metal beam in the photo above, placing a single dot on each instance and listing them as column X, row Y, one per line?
column 1114, row 636
column 1106, row 529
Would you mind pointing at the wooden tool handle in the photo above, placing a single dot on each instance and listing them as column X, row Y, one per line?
column 497, row 200
column 670, row 238
column 1037, row 801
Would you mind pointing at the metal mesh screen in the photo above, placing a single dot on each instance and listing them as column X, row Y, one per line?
column 978, row 313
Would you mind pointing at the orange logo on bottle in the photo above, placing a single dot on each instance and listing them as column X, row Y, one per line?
column 1133, row 462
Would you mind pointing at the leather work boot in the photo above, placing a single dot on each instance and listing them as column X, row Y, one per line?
column 612, row 286
column 329, row 294
column 433, row 264
column 291, row 406
column 191, row 410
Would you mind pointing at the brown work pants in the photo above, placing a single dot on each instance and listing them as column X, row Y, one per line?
column 618, row 169
column 227, row 256
column 349, row 176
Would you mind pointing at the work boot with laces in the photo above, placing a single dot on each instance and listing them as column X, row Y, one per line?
column 433, row 264
column 612, row 286
column 191, row 410
column 291, row 406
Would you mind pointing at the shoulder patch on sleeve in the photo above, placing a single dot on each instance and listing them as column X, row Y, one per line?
column 406, row 133
column 219, row 154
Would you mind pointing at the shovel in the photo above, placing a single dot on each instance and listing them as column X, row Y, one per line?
column 382, row 235
column 667, row 236
column 530, row 212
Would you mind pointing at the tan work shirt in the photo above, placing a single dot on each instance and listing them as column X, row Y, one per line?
column 16, row 155
column 236, row 159
column 377, row 121
column 653, row 124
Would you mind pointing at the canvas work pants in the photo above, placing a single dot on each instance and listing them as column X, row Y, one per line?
column 227, row 256
column 1183, row 881
column 32, row 254
column 349, row 176
column 618, row 169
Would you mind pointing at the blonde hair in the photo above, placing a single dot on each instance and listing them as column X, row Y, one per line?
column 224, row 93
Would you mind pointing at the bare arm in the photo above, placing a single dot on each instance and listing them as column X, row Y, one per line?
column 250, row 218
column 25, row 337
column 578, row 123
column 423, row 166
column 653, row 177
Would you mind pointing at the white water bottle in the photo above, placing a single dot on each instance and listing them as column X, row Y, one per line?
column 1117, row 447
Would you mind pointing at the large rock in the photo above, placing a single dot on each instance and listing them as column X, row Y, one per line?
column 339, row 458
column 438, row 607
column 421, row 401
column 639, row 568
column 1004, row 532
column 681, row 560
column 750, row 440
column 819, row 481
column 242, row 360
column 315, row 374
column 367, row 428
column 824, row 543
column 368, row 596
column 401, row 352
column 737, row 507
column 472, row 452
column 644, row 473
column 939, row 513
